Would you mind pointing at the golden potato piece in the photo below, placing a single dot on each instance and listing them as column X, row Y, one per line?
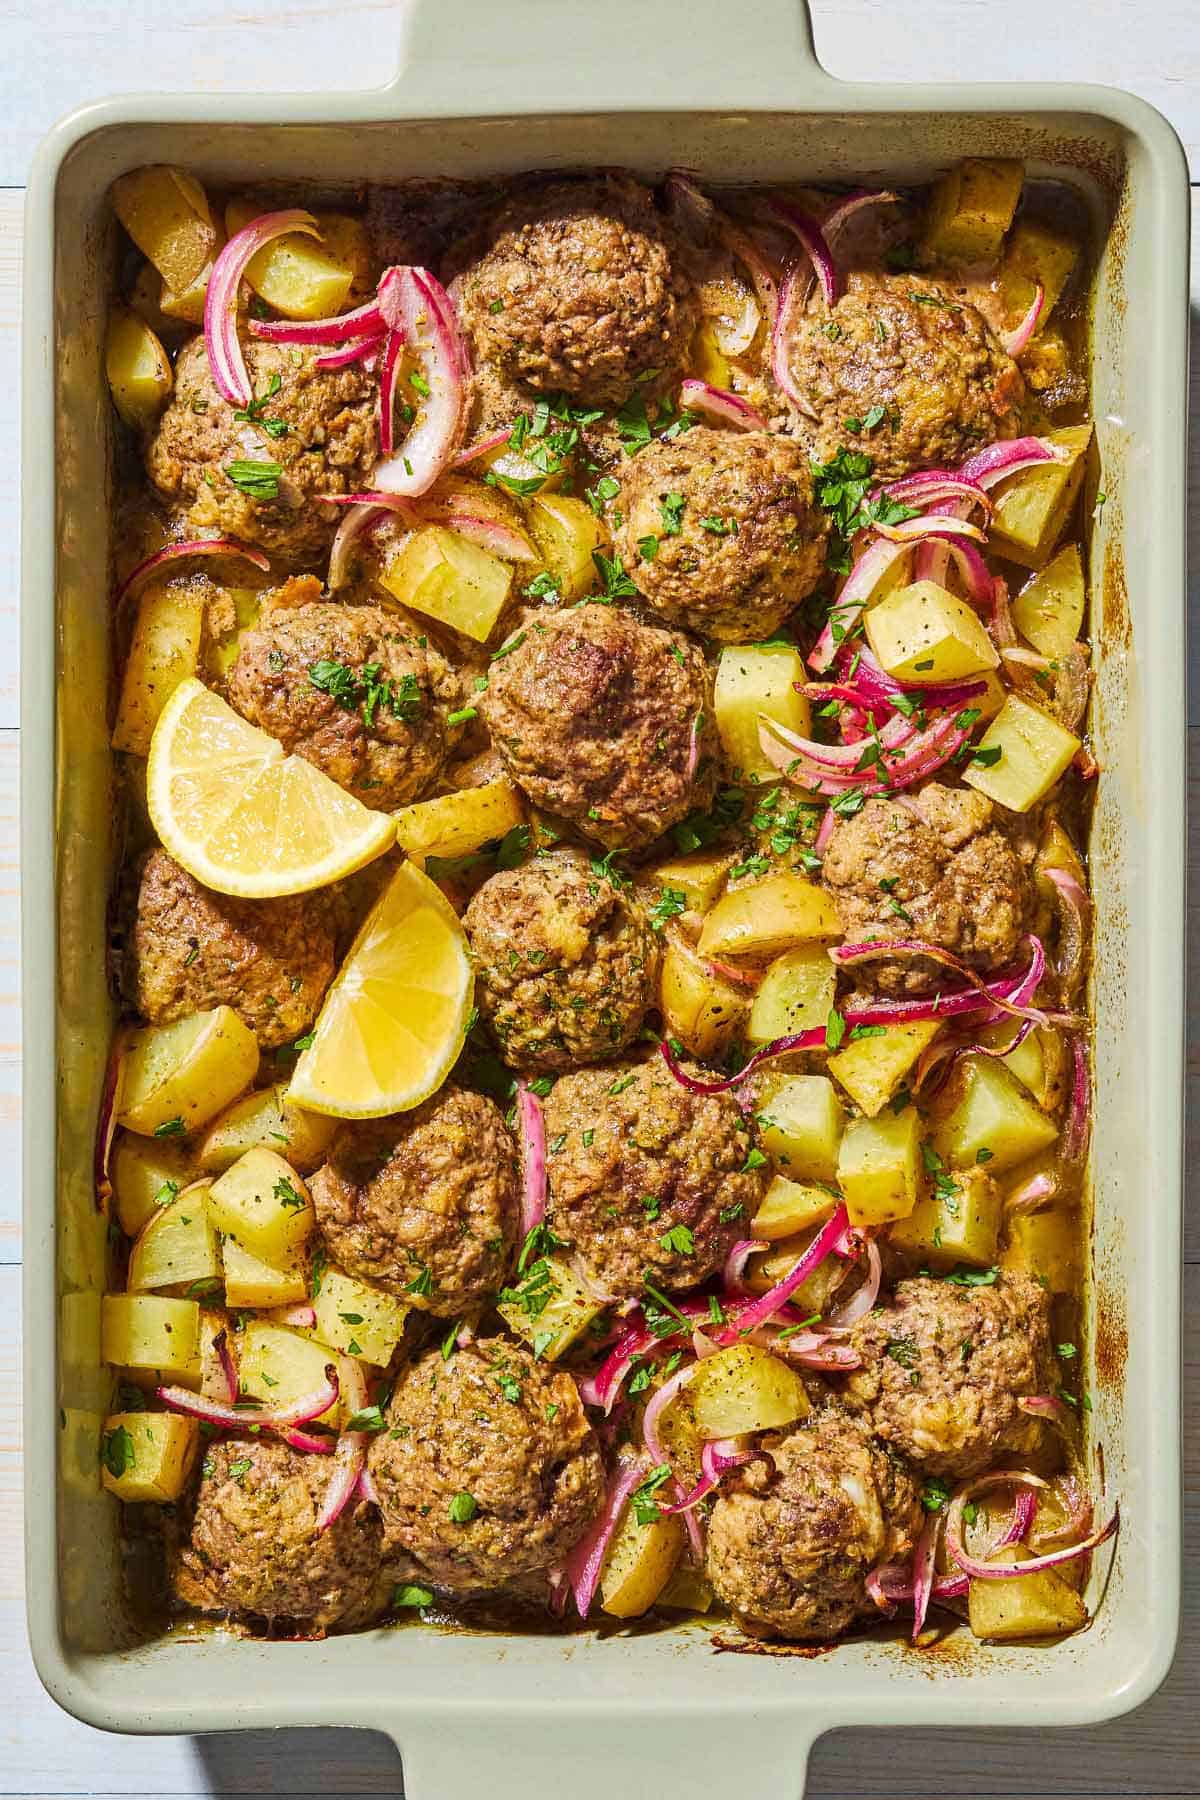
column 985, row 1109
column 277, row 1366
column 549, row 1307
column 249, row 1281
column 164, row 650
column 266, row 1120
column 1024, row 1606
column 699, row 1006
column 149, row 1331
column 148, row 1456
column 756, row 681
column 567, row 532
column 443, row 575
column 262, row 1203
column 879, row 1170
column 771, row 916
column 357, row 1317
column 744, row 1389
column 459, row 823
column 176, row 1077
column 146, row 1173
column 1021, row 756
column 139, row 372
column 177, row 1246
column 166, row 213
column 970, row 209
column 296, row 275
column 638, row 1564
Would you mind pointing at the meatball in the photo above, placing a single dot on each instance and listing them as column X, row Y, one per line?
column 792, row 1540
column 329, row 445
column 270, row 960
column 488, row 1467
column 566, row 962
column 906, row 345
column 248, row 1544
column 424, row 1203
column 934, row 866
column 944, row 1367
column 737, row 541
column 647, row 1178
column 580, row 290
column 604, row 720
column 354, row 690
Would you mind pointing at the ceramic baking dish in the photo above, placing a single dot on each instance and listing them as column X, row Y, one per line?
column 736, row 94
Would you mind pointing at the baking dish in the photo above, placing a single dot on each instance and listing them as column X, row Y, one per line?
column 486, row 89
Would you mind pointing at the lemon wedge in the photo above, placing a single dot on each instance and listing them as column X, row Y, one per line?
column 243, row 817
column 394, row 1020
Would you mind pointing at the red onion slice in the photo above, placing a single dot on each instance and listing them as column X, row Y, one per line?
column 765, row 1308
column 106, row 1124
column 1048, row 1406
column 362, row 350
column 350, row 1455
column 419, row 306
column 923, row 1570
column 799, row 1040
column 1008, row 457
column 844, row 210
column 531, row 1125
column 1029, row 1196
column 864, row 1298
column 791, row 300
column 490, row 534
column 1013, row 1001
column 859, row 585
column 812, row 241
column 1018, row 339
column 389, row 375
column 583, row 1565
column 926, row 751
column 364, row 322
column 1078, row 1126
column 297, row 1412
column 366, row 1487
column 483, row 447
column 985, row 1571
column 718, row 403
column 228, row 1389
column 307, row 1442
column 929, row 525
column 192, row 547
column 734, row 1273
column 225, row 359
column 1074, row 911
column 301, row 1318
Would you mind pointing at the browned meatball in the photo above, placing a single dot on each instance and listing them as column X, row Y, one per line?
column 905, row 344
column 271, row 960
column 248, row 1543
column 488, row 1467
column 594, row 713
column 580, row 290
column 424, row 1203
column 353, row 689
column 944, row 1367
column 647, row 1178
column 936, row 867
column 720, row 530
column 566, row 962
column 792, row 1539
column 329, row 447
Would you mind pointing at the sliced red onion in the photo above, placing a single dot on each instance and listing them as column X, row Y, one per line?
column 930, row 525
column 825, row 831
column 846, row 610
column 734, row 1273
column 813, row 1349
column 984, row 1571
column 683, row 191
column 892, row 1584
column 363, row 513
column 1074, row 911
column 703, row 1345
column 602, row 1388
column 924, row 752
column 350, row 1455
column 302, row 1318
column 583, row 1565
column 228, row 1390
column 765, row 1308
column 718, row 403
column 307, row 1442
column 1029, row 1196
column 840, row 759
column 389, row 375
column 930, row 486
column 1023, row 1514
column 558, row 1589
column 812, row 242
column 225, row 359
column 192, row 547
column 791, row 300
column 1008, row 457
column 363, row 350
column 939, row 1059
column 923, row 1570
column 813, row 1039
column 296, row 1412
column 659, row 1401
column 864, row 1298
column 483, row 447
column 106, row 1124
column 364, row 322
column 845, row 210
column 366, row 1487
column 1078, row 1125
column 1047, row 1406
column 1018, row 339
column 531, row 1127
column 750, row 979
column 1078, row 1522
column 717, row 1457
column 1013, row 1001
column 419, row 306
column 455, row 511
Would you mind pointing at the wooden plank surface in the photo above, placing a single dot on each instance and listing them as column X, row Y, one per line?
column 83, row 49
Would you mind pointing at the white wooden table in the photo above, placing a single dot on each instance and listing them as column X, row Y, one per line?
column 52, row 57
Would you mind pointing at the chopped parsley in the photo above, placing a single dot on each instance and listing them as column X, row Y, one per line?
column 462, row 1508
column 935, row 1494
column 617, row 583
column 671, row 507
column 118, row 1452
column 368, row 1418
column 257, row 480
column 289, row 1199
column 171, row 1128
column 670, row 903
column 679, row 1241
column 410, row 1593
column 254, row 414
column 646, row 1509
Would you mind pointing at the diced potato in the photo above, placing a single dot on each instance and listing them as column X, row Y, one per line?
column 1056, row 851
column 879, row 1167
column 638, row 1564
column 344, row 236
column 926, row 634
column 970, row 209
column 179, row 1076
column 459, row 823
column 1036, row 1063
column 177, row 1246
column 1034, row 751
column 262, row 1203
column 138, row 369
column 149, row 1331
column 249, row 1281
column 745, row 1389
column 146, row 1173
column 699, row 1007
column 276, row 1366
column 687, row 1590
column 167, row 215
column 1032, row 507
column 1046, row 1245
column 549, row 1307
column 1036, row 253
column 771, row 916
column 266, row 1120
column 443, row 575
column 185, row 305
column 296, row 274
column 144, row 300
column 358, row 1318
column 789, row 1207
column 148, row 1456
column 957, row 1220
column 1049, row 610
column 165, row 650
column 984, row 1107
column 801, row 1126
column 1024, row 1606
column 872, row 1068
column 815, row 1292
column 699, row 877
column 797, row 993
column 566, row 532
column 753, row 681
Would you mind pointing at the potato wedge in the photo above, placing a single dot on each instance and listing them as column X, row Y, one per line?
column 698, row 877
column 276, row 1366
column 879, row 1169
column 149, row 1331
column 766, row 1270
column 745, row 1389
column 699, row 1006
column 796, row 993
column 249, row 1281
column 358, row 1318
column 166, row 213
column 164, row 650
column 138, row 369
column 450, row 579
column 179, row 1076
column 1049, row 609
column 970, row 209
column 567, row 532
column 1032, row 507
column 266, row 1120
column 176, row 1249
column 1047, row 1246
column 956, row 1220
column 638, row 1563
column 548, row 1307
column 756, row 681
column 1035, row 253
column 148, row 1456
column 789, row 1207
column 926, row 634
column 984, row 1108
column 458, row 824
column 296, row 275
column 185, row 305
column 800, row 1127
column 687, row 1590
column 1030, row 751
column 146, row 1173
column 1024, row 1606
column 872, row 1068
column 771, row 916
column 263, row 1204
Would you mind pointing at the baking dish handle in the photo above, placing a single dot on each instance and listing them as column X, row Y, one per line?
column 606, row 55
column 613, row 1755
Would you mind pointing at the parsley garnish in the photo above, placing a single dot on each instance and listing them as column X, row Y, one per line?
column 258, row 480
column 118, row 1452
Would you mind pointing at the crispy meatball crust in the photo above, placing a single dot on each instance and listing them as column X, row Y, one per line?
column 270, row 960
column 397, row 756
column 247, row 1542
column 424, row 1203
column 946, row 861
column 746, row 546
column 566, row 962
column 330, row 447
column 507, row 1431
column 645, row 1177
column 792, row 1540
column 580, row 290
column 906, row 344
column 944, row 1366
column 594, row 712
